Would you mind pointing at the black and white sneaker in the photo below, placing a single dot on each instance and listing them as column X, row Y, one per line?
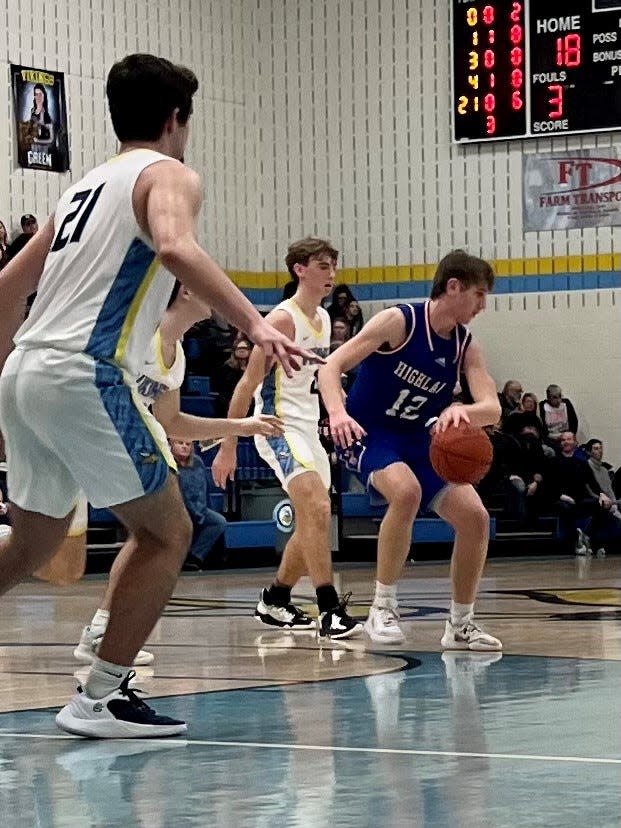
column 336, row 623
column 121, row 714
column 286, row 618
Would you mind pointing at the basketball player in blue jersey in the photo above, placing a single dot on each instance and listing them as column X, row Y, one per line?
column 298, row 459
column 68, row 416
column 410, row 358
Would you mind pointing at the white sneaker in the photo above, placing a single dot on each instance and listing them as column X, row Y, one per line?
column 90, row 640
column 468, row 636
column 382, row 625
column 121, row 714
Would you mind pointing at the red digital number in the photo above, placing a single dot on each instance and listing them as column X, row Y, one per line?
column 517, row 78
column 489, row 103
column 516, row 34
column 556, row 101
column 488, row 15
column 491, row 36
column 516, row 13
column 569, row 51
column 491, row 125
column 492, row 80
column 489, row 58
column 516, row 101
column 517, row 56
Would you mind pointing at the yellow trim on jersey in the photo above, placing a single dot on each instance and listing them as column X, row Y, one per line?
column 316, row 333
column 308, row 464
column 132, row 313
column 163, row 446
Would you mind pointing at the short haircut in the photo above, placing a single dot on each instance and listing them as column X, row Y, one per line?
column 467, row 269
column 300, row 252
column 143, row 92
column 588, row 446
column 556, row 389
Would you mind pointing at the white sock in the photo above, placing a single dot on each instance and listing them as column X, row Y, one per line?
column 385, row 596
column 104, row 677
column 461, row 613
column 100, row 620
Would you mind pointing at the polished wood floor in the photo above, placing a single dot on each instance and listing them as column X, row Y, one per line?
column 208, row 640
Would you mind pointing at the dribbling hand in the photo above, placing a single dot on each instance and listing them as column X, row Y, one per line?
column 451, row 416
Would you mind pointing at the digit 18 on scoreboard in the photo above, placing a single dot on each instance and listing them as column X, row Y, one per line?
column 526, row 68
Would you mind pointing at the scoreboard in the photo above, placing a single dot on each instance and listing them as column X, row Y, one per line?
column 532, row 68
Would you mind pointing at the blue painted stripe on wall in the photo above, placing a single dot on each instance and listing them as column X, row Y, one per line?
column 504, row 284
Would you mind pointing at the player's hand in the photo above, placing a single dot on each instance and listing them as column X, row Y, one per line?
column 276, row 346
column 452, row 416
column 264, row 424
column 344, row 430
column 604, row 501
column 224, row 464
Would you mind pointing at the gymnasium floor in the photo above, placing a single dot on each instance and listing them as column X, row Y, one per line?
column 284, row 732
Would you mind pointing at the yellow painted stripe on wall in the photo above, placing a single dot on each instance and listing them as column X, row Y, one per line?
column 544, row 266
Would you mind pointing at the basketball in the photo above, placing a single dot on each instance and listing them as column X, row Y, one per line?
column 461, row 454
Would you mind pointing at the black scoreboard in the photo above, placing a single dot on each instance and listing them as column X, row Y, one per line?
column 532, row 68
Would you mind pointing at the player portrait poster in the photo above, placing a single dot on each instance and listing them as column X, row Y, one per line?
column 40, row 119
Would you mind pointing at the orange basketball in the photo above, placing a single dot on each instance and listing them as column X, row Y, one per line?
column 461, row 454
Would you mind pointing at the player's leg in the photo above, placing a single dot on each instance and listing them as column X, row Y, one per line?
column 303, row 468
column 461, row 507
column 107, row 707
column 93, row 633
column 399, row 486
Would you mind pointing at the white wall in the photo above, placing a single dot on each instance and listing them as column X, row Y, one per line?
column 214, row 37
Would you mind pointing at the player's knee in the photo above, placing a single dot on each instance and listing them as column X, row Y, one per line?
column 322, row 511
column 475, row 519
column 406, row 498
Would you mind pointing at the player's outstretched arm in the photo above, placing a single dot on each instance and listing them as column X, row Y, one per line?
column 225, row 461
column 388, row 326
column 177, row 423
column 18, row 280
column 485, row 410
column 167, row 199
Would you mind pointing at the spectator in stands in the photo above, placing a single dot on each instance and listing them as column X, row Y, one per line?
column 29, row 226
column 341, row 298
column 353, row 315
column 4, row 245
column 529, row 403
column 527, row 494
column 208, row 526
column 509, row 399
column 226, row 378
column 558, row 415
column 340, row 330
column 577, row 495
column 602, row 472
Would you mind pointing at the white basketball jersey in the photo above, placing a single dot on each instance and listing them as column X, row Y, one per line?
column 102, row 291
column 296, row 399
column 156, row 378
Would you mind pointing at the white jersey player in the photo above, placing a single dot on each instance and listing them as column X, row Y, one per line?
column 297, row 458
column 69, row 419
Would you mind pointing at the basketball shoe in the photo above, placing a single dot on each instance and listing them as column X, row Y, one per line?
column 288, row 617
column 90, row 640
column 336, row 623
column 382, row 625
column 468, row 636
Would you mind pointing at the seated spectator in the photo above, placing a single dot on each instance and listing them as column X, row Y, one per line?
column 602, row 472
column 226, row 378
column 577, row 496
column 4, row 245
column 528, row 495
column 340, row 330
column 558, row 415
column 29, row 227
column 509, row 399
column 208, row 526
column 341, row 298
column 353, row 315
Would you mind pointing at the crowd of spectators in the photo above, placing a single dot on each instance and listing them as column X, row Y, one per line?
column 540, row 470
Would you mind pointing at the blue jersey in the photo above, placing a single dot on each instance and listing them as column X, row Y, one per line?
column 397, row 392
